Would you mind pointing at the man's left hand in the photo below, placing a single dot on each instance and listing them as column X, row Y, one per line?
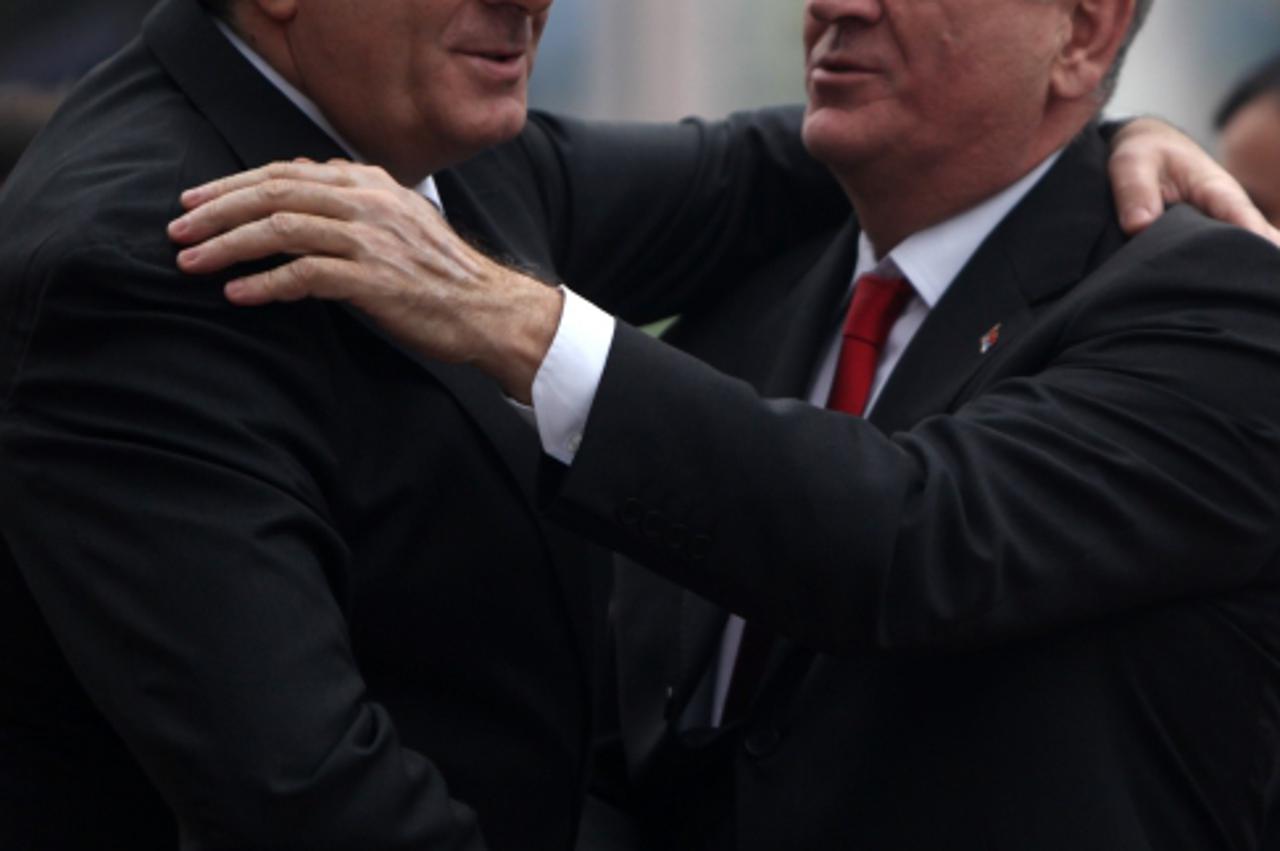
column 1153, row 165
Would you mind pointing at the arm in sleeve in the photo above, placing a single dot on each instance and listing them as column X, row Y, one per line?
column 652, row 219
column 165, row 461
column 1136, row 466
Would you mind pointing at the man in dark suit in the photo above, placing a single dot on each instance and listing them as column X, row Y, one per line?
column 266, row 579
column 1028, row 602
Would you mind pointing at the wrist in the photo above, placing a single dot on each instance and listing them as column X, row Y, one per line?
column 516, row 344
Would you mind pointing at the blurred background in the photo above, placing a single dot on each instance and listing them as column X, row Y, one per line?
column 661, row 59
column 667, row 58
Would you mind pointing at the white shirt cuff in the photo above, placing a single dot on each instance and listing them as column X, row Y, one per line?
column 565, row 387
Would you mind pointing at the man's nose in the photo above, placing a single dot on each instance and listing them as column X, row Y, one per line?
column 529, row 7
column 833, row 11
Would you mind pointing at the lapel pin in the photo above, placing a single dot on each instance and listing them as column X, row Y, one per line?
column 989, row 339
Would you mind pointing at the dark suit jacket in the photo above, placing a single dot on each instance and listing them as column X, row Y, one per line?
column 266, row 580
column 1039, row 589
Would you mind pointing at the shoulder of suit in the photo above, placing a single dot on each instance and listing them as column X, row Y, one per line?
column 1186, row 258
column 1187, row 239
column 108, row 170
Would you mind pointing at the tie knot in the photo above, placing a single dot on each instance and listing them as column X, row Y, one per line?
column 877, row 304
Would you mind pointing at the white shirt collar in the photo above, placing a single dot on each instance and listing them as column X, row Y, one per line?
column 932, row 258
column 307, row 106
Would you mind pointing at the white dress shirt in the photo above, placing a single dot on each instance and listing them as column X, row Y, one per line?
column 426, row 188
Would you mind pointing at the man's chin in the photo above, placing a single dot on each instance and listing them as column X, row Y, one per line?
column 465, row 136
column 501, row 122
column 836, row 138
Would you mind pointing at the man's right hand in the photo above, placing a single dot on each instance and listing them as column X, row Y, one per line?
column 358, row 236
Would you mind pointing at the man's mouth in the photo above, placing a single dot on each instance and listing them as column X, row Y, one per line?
column 843, row 65
column 500, row 63
column 498, row 55
column 840, row 69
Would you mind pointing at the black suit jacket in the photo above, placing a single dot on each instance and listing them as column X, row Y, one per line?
column 1033, row 603
column 266, row 580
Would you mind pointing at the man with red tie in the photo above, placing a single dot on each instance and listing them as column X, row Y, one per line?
column 1007, row 578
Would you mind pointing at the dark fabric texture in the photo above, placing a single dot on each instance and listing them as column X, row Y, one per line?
column 267, row 580
column 1032, row 603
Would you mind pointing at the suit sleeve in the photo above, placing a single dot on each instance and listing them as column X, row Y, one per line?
column 1136, row 466
column 165, row 465
column 650, row 220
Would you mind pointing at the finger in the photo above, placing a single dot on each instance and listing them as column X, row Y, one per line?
column 307, row 277
column 1139, row 196
column 279, row 233
column 1224, row 199
column 241, row 206
column 334, row 173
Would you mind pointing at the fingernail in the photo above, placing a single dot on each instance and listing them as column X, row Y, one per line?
column 188, row 256
column 192, row 196
column 179, row 227
column 235, row 289
column 1139, row 216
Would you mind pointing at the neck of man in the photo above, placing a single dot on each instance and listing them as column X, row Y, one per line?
column 895, row 197
column 269, row 39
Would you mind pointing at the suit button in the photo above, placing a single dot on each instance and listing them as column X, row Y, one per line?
column 630, row 512
column 763, row 741
column 654, row 525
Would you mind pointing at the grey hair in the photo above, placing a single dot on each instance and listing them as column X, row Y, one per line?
column 1140, row 11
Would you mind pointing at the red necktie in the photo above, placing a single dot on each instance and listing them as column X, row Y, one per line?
column 877, row 304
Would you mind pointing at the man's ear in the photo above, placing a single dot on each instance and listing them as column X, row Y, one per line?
column 1096, row 31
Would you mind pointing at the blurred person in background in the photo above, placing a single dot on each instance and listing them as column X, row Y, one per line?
column 45, row 46
column 53, row 43
column 1249, row 126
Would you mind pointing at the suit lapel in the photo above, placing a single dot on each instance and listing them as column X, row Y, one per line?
column 1043, row 246
column 809, row 317
column 949, row 346
column 259, row 123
